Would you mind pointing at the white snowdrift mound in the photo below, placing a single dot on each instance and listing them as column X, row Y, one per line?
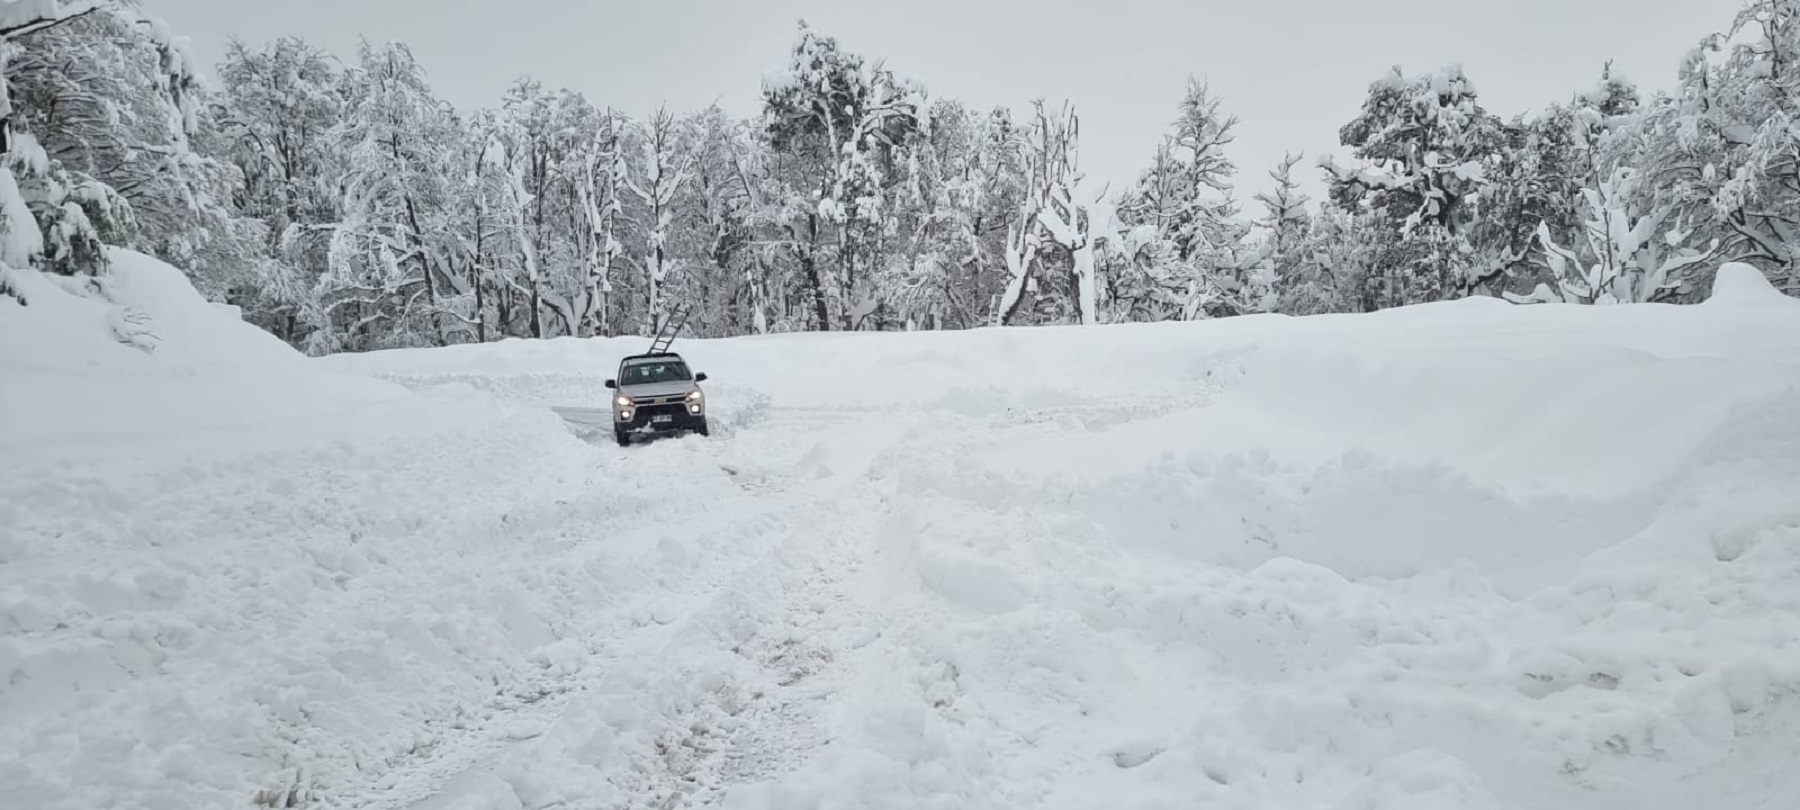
column 1468, row 556
column 226, row 571
column 1739, row 284
column 70, row 380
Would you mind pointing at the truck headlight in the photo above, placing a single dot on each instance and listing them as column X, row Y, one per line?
column 623, row 402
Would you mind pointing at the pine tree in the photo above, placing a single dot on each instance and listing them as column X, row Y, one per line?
column 1285, row 225
column 1426, row 148
column 1184, row 199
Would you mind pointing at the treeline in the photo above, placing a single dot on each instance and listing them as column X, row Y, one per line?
column 346, row 207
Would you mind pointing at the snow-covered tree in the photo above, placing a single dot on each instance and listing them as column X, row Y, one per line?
column 274, row 111
column 478, row 184
column 1275, row 262
column 838, row 122
column 1189, row 238
column 1629, row 256
column 1186, row 192
column 713, row 217
column 1075, row 218
column 1284, row 221
column 387, row 253
column 1755, row 103
column 346, row 209
column 276, row 106
column 950, row 206
column 602, row 181
column 562, row 145
column 983, row 191
column 667, row 168
column 1336, row 270
column 1425, row 149
column 1040, row 156
column 71, row 114
column 113, row 100
column 22, row 242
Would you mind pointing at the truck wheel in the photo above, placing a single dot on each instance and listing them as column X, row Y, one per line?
column 702, row 430
column 623, row 437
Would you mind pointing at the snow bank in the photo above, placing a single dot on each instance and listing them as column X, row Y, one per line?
column 141, row 355
column 1467, row 555
column 228, row 573
column 1738, row 284
column 1458, row 556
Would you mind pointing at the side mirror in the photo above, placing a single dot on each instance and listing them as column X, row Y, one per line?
column 612, row 383
column 701, row 377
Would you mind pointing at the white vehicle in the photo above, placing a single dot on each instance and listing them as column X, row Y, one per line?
column 656, row 393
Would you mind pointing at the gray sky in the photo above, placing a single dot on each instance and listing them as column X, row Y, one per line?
column 1293, row 71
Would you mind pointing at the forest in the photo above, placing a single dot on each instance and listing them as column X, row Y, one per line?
column 342, row 205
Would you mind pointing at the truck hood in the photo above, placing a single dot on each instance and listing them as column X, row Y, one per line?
column 662, row 389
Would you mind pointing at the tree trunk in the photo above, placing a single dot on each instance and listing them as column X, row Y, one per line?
column 1087, row 289
column 809, row 265
column 847, row 249
column 418, row 238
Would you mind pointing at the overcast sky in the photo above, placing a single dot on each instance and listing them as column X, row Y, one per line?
column 1293, row 71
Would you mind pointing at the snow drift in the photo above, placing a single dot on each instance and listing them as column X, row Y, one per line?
column 1464, row 555
column 138, row 355
column 227, row 572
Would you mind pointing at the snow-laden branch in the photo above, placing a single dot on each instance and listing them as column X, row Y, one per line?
column 24, row 17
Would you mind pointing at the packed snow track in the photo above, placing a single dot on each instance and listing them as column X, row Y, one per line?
column 1470, row 556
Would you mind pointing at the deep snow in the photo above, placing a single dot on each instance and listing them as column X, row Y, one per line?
column 1459, row 556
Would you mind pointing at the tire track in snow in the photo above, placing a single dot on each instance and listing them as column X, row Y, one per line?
column 796, row 619
column 765, row 636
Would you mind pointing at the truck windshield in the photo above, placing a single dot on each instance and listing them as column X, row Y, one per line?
column 655, row 372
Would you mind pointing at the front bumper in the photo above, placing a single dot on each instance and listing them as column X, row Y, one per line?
column 670, row 415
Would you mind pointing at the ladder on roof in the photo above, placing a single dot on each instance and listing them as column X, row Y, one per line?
column 671, row 326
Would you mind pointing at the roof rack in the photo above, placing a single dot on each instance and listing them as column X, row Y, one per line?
column 647, row 355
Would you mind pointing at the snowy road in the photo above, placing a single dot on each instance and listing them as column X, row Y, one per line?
column 779, row 640
column 725, row 685
column 1464, row 557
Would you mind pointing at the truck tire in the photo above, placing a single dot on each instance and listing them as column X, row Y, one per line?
column 702, row 429
column 623, row 437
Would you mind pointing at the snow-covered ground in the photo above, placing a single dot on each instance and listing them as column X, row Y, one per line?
column 1469, row 556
